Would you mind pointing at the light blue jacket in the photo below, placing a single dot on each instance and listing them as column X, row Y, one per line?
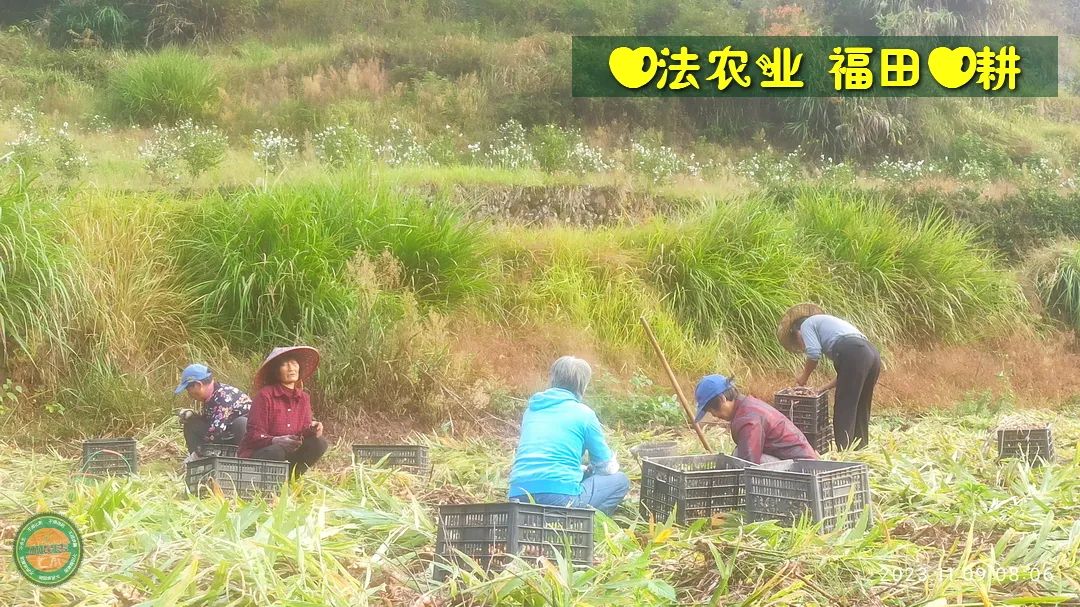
column 556, row 431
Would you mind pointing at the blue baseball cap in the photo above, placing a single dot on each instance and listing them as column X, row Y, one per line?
column 707, row 389
column 191, row 374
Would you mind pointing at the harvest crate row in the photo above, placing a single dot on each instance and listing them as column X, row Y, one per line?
column 694, row 487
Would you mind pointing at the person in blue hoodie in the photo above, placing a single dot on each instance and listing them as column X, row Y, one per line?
column 556, row 431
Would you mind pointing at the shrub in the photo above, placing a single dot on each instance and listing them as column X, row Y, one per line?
column 1054, row 276
column 197, row 148
column 201, row 147
column 510, row 149
column 70, row 160
column 977, row 159
column 642, row 408
column 27, row 151
column 340, row 146
column 402, row 147
column 552, row 146
column 165, row 87
column 769, row 168
column 273, row 150
column 160, row 155
column 904, row 171
column 108, row 22
column 660, row 163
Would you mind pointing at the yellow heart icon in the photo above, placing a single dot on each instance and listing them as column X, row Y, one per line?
column 633, row 68
column 947, row 66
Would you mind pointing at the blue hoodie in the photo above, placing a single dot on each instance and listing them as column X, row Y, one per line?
column 556, row 431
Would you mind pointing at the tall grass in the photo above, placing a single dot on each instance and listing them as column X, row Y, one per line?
column 164, row 87
column 37, row 294
column 587, row 281
column 1053, row 275
column 137, row 310
column 268, row 266
column 731, row 272
column 931, row 278
column 716, row 282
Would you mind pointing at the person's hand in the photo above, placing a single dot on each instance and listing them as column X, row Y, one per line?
column 318, row 428
column 289, row 442
column 800, row 381
column 184, row 414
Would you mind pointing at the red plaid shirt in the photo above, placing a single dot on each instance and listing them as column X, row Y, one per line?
column 277, row 411
column 759, row 428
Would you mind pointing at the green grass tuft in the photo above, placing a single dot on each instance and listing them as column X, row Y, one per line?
column 164, row 87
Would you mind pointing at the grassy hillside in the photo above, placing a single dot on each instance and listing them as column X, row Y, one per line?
column 410, row 185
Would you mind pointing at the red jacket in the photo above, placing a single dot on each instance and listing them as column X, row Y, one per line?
column 276, row 411
column 758, row 428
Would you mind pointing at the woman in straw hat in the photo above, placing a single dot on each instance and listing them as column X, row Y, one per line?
column 280, row 426
column 807, row 328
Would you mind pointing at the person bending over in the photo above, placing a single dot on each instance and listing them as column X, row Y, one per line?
column 806, row 328
column 761, row 433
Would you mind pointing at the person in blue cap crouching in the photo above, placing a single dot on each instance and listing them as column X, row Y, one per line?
column 223, row 415
column 761, row 433
column 556, row 431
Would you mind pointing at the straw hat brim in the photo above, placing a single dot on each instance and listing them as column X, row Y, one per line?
column 307, row 356
column 783, row 330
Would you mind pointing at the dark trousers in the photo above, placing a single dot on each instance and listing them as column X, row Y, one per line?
column 310, row 450
column 196, row 426
column 858, row 365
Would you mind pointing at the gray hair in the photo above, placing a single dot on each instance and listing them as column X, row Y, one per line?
column 571, row 373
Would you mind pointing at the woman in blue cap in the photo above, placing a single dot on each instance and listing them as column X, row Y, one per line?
column 224, row 410
column 761, row 433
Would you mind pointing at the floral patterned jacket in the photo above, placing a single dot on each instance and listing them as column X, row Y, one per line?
column 224, row 405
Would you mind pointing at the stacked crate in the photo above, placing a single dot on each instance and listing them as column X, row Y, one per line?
column 810, row 414
column 658, row 449
column 222, row 449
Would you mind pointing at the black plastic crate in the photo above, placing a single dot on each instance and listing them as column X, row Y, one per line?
column 110, row 456
column 809, row 412
column 656, row 449
column 823, row 490
column 235, row 476
column 822, row 442
column 222, row 449
column 490, row 534
column 1034, row 445
column 694, row 486
column 411, row 458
